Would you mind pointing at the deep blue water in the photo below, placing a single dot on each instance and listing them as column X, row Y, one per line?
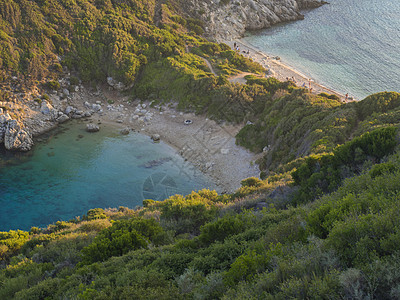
column 74, row 171
column 349, row 45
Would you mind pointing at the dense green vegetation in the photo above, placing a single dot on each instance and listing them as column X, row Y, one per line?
column 322, row 224
column 208, row 246
column 145, row 45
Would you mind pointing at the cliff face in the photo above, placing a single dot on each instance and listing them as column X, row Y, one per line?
column 226, row 20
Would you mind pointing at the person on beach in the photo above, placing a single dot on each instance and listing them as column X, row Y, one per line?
column 234, row 45
column 309, row 83
column 304, row 85
column 346, row 96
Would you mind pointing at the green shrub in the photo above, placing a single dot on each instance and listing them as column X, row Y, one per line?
column 121, row 237
column 220, row 229
column 324, row 173
column 251, row 182
column 74, row 80
column 95, row 213
column 53, row 85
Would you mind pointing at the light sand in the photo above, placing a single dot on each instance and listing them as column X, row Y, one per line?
column 279, row 70
column 209, row 146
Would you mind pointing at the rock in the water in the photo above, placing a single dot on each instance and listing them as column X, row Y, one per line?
column 125, row 131
column 92, row 127
column 63, row 118
column 155, row 137
column 17, row 139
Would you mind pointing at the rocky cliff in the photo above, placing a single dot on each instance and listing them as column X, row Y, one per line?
column 230, row 19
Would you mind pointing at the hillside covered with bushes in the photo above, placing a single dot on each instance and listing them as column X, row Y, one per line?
column 322, row 223
column 323, row 226
column 144, row 47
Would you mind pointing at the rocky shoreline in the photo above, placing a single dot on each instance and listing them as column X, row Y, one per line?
column 228, row 20
column 208, row 146
column 30, row 113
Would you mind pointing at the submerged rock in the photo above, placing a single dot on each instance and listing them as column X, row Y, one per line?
column 92, row 127
column 156, row 162
column 125, row 131
column 17, row 139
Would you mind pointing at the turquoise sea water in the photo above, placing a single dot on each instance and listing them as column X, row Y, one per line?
column 348, row 45
column 73, row 171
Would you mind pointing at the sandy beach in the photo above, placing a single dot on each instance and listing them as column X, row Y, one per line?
column 208, row 146
column 279, row 69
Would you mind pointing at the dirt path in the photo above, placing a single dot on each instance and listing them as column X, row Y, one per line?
column 158, row 12
column 209, row 66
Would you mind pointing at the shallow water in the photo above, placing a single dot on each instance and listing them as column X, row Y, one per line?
column 74, row 171
column 350, row 46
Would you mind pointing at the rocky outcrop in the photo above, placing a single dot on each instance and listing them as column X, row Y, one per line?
column 15, row 138
column 226, row 20
column 4, row 118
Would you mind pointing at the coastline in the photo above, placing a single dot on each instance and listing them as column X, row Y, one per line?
column 281, row 70
column 208, row 146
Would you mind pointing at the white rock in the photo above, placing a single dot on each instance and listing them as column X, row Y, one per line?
column 155, row 137
column 69, row 110
column 63, row 118
column 92, row 127
column 96, row 107
column 17, row 139
column 224, row 151
column 125, row 131
column 46, row 108
column 4, row 118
